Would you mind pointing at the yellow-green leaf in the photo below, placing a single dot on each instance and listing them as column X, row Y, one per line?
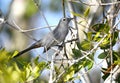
column 76, row 14
column 86, row 13
column 86, row 45
column 15, row 53
column 69, row 74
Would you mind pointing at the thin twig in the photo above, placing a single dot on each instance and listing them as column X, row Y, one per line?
column 97, row 4
column 96, row 46
column 116, row 24
column 21, row 30
column 63, row 6
column 46, row 21
column 58, row 77
column 18, row 28
column 52, row 69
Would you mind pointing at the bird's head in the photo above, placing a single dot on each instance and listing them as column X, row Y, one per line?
column 65, row 20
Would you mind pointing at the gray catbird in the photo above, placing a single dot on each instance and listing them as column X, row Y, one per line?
column 52, row 38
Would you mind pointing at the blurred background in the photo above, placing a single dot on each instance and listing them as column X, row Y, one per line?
column 27, row 15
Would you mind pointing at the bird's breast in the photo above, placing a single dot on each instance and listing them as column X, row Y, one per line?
column 61, row 34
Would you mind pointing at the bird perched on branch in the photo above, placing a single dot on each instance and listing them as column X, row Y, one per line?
column 52, row 38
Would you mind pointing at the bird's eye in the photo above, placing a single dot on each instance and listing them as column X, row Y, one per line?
column 63, row 19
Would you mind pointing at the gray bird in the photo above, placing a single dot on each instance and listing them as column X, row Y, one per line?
column 52, row 38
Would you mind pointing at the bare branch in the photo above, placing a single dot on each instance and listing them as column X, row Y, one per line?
column 21, row 30
column 98, row 4
column 63, row 6
column 96, row 46
column 52, row 69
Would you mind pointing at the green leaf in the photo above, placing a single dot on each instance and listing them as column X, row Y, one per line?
column 57, row 70
column 88, row 64
column 36, row 60
column 28, row 70
column 69, row 74
column 86, row 45
column 117, row 62
column 76, row 14
column 89, row 36
column 72, row 70
column 105, row 43
column 4, row 56
column 86, row 12
column 97, row 36
column 33, row 72
column 116, row 58
column 103, row 55
column 78, row 45
column 114, row 38
column 77, row 53
column 103, row 28
column 15, row 53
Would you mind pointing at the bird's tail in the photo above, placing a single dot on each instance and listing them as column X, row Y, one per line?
column 28, row 49
column 23, row 51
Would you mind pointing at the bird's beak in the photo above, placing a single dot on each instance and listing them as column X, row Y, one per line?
column 69, row 19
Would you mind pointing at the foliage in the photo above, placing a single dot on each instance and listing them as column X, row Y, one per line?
column 75, row 68
column 23, row 71
column 91, row 44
